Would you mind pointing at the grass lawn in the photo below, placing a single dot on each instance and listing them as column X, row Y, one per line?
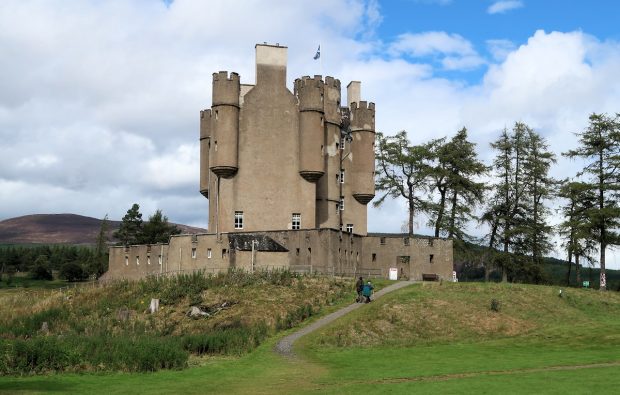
column 422, row 339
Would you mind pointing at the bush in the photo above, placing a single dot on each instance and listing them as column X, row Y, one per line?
column 41, row 269
column 231, row 340
column 71, row 271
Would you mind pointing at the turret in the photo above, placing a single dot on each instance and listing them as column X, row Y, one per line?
column 362, row 150
column 310, row 93
column 225, row 124
column 205, row 135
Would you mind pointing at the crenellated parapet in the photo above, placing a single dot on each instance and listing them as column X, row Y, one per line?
column 224, row 140
column 226, row 89
column 332, row 101
column 363, row 116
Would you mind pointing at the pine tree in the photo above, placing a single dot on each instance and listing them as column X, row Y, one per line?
column 454, row 178
column 130, row 230
column 402, row 171
column 158, row 229
column 600, row 145
column 576, row 228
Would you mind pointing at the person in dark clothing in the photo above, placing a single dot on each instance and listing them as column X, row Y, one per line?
column 359, row 287
column 367, row 292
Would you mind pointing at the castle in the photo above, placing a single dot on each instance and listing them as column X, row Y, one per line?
column 288, row 177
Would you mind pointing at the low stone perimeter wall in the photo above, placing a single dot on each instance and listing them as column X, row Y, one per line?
column 326, row 251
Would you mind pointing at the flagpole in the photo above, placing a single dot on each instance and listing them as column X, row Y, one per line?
column 321, row 62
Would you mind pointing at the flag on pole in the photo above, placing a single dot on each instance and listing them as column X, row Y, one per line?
column 318, row 53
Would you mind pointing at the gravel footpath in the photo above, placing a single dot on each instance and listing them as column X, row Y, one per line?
column 285, row 345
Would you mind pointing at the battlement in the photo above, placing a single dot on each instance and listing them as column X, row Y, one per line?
column 309, row 82
column 363, row 105
column 223, row 76
column 332, row 82
column 226, row 89
column 363, row 116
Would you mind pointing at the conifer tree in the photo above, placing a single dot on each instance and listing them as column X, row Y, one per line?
column 158, row 229
column 402, row 171
column 600, row 146
column 456, row 167
column 130, row 230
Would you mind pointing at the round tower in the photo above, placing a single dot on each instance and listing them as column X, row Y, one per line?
column 225, row 124
column 310, row 94
column 362, row 150
column 205, row 136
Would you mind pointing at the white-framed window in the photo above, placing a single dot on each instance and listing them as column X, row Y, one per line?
column 208, row 253
column 193, row 252
column 342, row 142
column 349, row 228
column 296, row 222
column 341, row 203
column 342, row 176
column 238, row 219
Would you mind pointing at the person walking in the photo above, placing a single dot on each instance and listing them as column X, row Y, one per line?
column 367, row 291
column 359, row 287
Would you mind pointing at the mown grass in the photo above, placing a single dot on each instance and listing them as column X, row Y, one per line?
column 564, row 337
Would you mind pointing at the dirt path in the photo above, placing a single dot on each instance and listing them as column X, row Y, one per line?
column 285, row 345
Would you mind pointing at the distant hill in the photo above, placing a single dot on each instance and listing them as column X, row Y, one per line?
column 60, row 229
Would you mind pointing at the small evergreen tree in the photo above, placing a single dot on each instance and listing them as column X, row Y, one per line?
column 158, row 229
column 130, row 230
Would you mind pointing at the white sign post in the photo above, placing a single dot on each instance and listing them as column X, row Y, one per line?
column 393, row 273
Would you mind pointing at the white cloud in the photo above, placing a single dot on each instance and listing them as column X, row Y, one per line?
column 500, row 49
column 503, row 6
column 455, row 51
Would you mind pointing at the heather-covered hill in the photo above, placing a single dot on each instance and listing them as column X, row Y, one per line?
column 59, row 229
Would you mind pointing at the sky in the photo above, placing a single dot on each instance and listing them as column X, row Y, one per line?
column 100, row 100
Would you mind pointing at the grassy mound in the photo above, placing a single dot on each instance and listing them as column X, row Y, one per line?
column 441, row 313
column 110, row 328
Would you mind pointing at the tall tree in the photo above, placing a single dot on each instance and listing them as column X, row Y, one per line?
column 99, row 262
column 158, row 229
column 576, row 228
column 456, row 167
column 539, row 188
column 402, row 171
column 600, row 148
column 130, row 230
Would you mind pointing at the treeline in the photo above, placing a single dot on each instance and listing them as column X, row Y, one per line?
column 445, row 180
column 72, row 262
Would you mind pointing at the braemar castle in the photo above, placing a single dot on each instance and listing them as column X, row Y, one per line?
column 288, row 176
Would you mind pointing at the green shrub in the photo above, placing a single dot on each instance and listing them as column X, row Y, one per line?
column 29, row 326
column 72, row 271
column 234, row 341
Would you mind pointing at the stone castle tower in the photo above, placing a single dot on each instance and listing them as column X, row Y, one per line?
column 275, row 160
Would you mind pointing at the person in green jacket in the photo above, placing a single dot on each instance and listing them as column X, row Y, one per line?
column 367, row 291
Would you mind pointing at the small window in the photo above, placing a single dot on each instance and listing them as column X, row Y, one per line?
column 137, row 260
column 309, row 251
column 193, row 252
column 341, row 208
column 430, row 259
column 337, row 207
column 148, row 260
column 126, row 261
column 382, row 241
column 374, row 257
column 223, row 253
column 342, row 142
column 238, row 219
column 296, row 221
column 160, row 259
column 349, row 228
column 406, row 241
column 208, row 253
column 297, row 251
column 342, row 176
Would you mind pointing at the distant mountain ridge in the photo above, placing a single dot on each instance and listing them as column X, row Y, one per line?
column 60, row 229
